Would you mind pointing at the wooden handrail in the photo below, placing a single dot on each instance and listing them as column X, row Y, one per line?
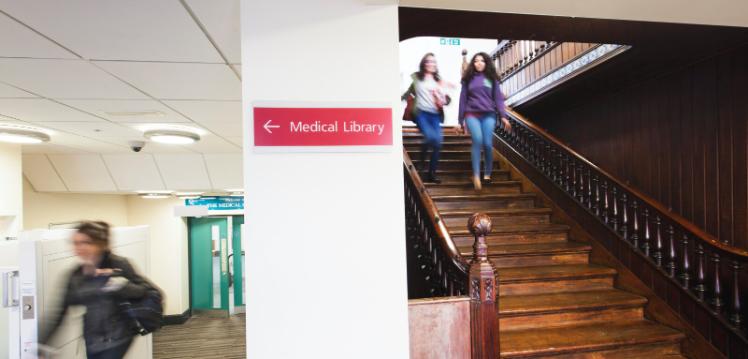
column 445, row 240
column 684, row 223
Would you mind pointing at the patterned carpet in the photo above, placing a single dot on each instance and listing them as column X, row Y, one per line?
column 202, row 337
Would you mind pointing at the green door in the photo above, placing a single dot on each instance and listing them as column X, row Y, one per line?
column 214, row 266
column 208, row 267
column 238, row 262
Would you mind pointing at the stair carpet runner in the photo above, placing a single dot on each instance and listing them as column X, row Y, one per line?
column 553, row 302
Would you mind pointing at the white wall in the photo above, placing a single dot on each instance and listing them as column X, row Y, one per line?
column 714, row 12
column 449, row 61
column 168, row 248
column 11, row 202
column 326, row 273
column 41, row 208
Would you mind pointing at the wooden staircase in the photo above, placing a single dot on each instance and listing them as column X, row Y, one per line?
column 552, row 301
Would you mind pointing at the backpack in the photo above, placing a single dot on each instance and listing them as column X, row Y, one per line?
column 146, row 314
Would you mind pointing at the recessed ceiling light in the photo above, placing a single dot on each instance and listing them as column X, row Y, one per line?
column 13, row 133
column 172, row 137
column 154, row 194
column 189, row 195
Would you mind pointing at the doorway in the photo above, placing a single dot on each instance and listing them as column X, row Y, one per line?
column 216, row 264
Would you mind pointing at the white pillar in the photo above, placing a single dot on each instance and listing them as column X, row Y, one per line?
column 11, row 191
column 326, row 273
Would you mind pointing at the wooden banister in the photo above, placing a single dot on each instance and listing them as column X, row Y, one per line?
column 696, row 231
column 484, row 316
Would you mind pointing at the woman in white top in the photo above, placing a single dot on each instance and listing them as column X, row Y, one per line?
column 430, row 97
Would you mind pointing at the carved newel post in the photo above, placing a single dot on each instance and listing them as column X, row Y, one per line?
column 484, row 316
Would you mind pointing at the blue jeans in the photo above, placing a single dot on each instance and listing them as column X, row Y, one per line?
column 430, row 126
column 481, row 131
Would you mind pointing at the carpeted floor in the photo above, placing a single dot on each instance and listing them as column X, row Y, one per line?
column 202, row 337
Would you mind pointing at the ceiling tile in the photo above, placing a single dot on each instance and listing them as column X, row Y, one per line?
column 221, row 19
column 225, row 170
column 12, row 92
column 146, row 177
column 239, row 141
column 39, row 171
column 90, row 145
column 205, row 112
column 19, row 41
column 146, row 30
column 83, row 173
column 146, row 111
column 95, row 129
column 183, row 172
column 40, row 110
column 179, row 81
column 48, row 148
column 68, row 79
column 238, row 68
column 225, row 129
column 213, row 144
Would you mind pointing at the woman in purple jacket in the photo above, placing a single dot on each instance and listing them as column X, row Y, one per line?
column 480, row 102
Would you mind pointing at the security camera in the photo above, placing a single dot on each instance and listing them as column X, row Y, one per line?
column 136, row 146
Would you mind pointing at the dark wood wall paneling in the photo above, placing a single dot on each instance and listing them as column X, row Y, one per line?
column 681, row 138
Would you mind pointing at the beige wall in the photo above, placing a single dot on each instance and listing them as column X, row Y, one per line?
column 11, row 205
column 714, row 12
column 168, row 248
column 41, row 209
column 168, row 265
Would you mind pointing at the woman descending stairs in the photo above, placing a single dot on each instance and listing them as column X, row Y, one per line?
column 552, row 301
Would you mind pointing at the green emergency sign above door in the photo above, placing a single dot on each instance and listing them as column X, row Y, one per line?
column 449, row 41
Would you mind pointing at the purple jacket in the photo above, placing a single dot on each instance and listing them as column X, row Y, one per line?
column 476, row 97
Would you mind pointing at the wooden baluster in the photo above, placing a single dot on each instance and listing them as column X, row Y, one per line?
column 635, row 230
column 614, row 215
column 567, row 170
column 588, row 202
column 484, row 318
column 548, row 160
column 624, row 217
column 647, row 237
column 657, row 255
column 685, row 268
column 596, row 202
column 561, row 175
column 541, row 158
column 553, row 166
column 573, row 178
column 672, row 265
column 605, row 207
column 700, row 287
column 716, row 300
column 580, row 195
column 735, row 317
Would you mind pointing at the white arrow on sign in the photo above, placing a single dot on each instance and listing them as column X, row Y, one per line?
column 268, row 126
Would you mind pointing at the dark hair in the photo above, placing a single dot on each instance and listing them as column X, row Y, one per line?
column 489, row 72
column 98, row 231
column 422, row 68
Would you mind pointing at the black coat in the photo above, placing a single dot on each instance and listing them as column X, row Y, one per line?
column 104, row 325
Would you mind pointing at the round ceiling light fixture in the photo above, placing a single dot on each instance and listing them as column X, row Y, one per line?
column 13, row 133
column 172, row 137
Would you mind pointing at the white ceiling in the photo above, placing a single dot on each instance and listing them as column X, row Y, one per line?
column 92, row 71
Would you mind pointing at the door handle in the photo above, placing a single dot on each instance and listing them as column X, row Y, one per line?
column 11, row 293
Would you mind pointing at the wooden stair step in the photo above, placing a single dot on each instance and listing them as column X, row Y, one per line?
column 465, row 188
column 554, row 279
column 641, row 339
column 519, row 312
column 466, row 164
column 463, row 175
column 535, row 254
column 450, row 154
column 480, row 202
column 500, row 217
column 510, row 233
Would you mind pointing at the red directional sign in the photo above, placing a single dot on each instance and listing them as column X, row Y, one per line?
column 276, row 126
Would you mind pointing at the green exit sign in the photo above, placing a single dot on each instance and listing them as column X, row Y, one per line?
column 449, row 41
